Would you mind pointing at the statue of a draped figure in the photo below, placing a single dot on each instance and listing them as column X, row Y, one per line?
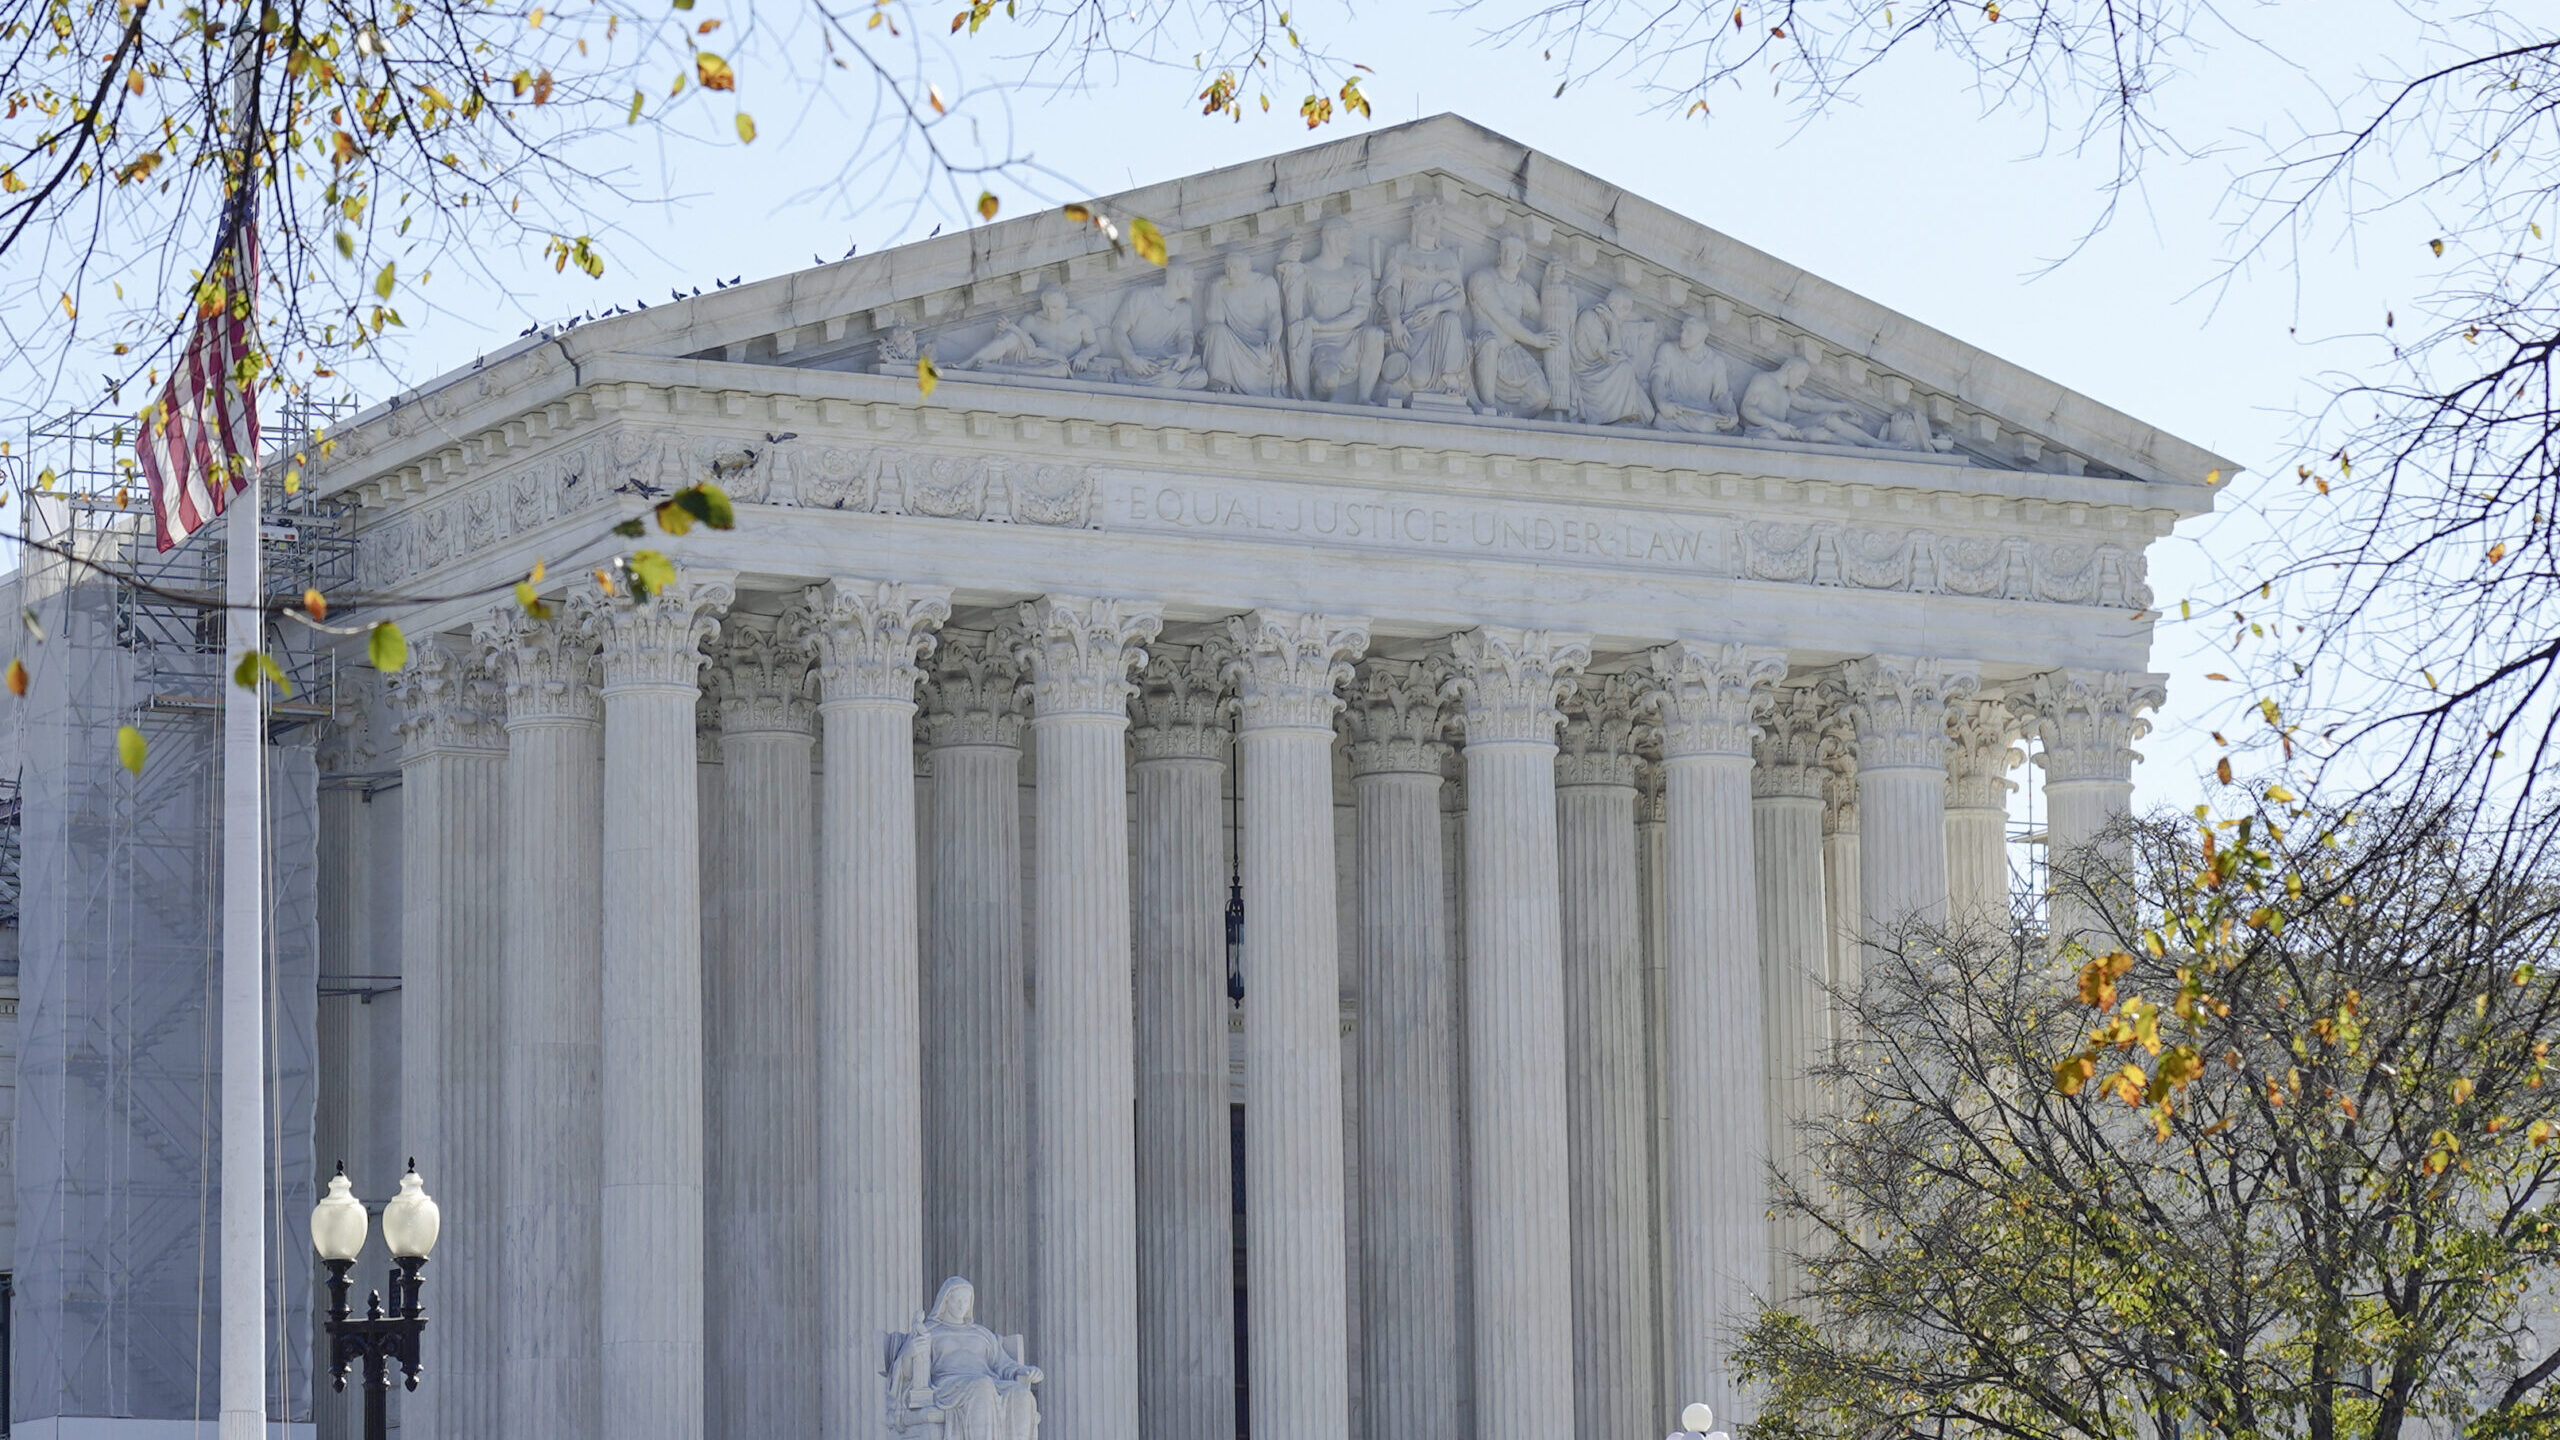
column 1426, row 304
column 953, row 1377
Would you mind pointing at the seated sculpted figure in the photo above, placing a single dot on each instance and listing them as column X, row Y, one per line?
column 1908, row 429
column 1511, row 342
column 1335, row 348
column 1607, row 390
column 1426, row 301
column 1775, row 407
column 1240, row 342
column 1155, row 337
column 1692, row 388
column 1056, row 340
column 953, row 1374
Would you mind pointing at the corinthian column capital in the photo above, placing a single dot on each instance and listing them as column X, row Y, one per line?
column 1706, row 694
column 1510, row 684
column 1898, row 706
column 1786, row 753
column 655, row 642
column 2087, row 720
column 1286, row 667
column 1603, row 721
column 867, row 635
column 1982, row 745
column 760, row 677
column 1080, row 652
column 1182, row 704
column 448, row 700
column 1396, row 721
column 546, row 667
column 973, row 694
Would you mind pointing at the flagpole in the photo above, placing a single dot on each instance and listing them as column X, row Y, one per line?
column 243, row 1393
column 244, row 1069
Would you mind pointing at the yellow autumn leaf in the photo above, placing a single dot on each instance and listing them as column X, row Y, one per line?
column 714, row 72
column 987, row 205
column 1147, row 240
column 1080, row 214
column 933, row 97
column 2497, row 552
column 746, row 128
column 131, row 749
column 18, row 677
column 926, row 376
column 315, row 604
column 2279, row 795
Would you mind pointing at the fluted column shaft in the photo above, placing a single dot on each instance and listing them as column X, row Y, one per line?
column 653, row 1357
column 452, row 940
column 1713, row 1012
column 1605, row 1076
column 976, row 1041
column 1408, row 1048
column 866, row 637
column 1842, row 894
column 1285, row 669
column 1079, row 653
column 1979, row 754
column 553, row 1027
column 1795, row 947
column 1186, row 1238
column 2086, row 722
column 761, row 1064
column 1899, row 707
column 1510, row 682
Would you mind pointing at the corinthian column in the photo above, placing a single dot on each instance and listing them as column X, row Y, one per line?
column 1408, row 1056
column 1509, row 683
column 2086, row 722
column 977, row 1069
column 1285, row 669
column 1981, row 746
column 453, row 759
column 552, row 991
column 1186, row 1254
column 1605, row 1080
column 1080, row 653
column 866, row 638
column 1704, row 696
column 1795, row 942
column 761, row 1061
column 1841, row 902
column 1898, row 708
column 652, row 656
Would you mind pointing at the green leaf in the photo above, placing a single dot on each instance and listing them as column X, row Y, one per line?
column 651, row 572
column 673, row 518
column 387, row 648
column 131, row 748
column 631, row 529
column 707, row 503
column 1147, row 240
column 383, row 282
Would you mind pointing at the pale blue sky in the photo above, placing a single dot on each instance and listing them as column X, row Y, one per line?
column 1914, row 198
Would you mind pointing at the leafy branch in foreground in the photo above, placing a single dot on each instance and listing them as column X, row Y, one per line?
column 2313, row 1202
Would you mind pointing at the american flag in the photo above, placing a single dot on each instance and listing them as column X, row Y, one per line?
column 199, row 442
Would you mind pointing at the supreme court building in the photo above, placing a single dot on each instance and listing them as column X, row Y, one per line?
column 1547, row 631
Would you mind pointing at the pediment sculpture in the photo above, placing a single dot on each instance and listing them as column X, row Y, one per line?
column 1409, row 324
column 950, row 1378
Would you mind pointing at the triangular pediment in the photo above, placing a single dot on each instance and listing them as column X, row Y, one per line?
column 1047, row 303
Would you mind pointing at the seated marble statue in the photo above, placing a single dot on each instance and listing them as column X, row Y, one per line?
column 1241, row 342
column 1607, row 387
column 1511, row 343
column 1155, row 337
column 1775, row 407
column 1336, row 350
column 1424, row 295
column 1692, row 388
column 1057, row 340
column 953, row 1375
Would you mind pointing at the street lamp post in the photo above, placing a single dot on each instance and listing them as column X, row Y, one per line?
column 379, row 1338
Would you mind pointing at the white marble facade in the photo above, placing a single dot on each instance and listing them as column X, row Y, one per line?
column 1442, row 522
